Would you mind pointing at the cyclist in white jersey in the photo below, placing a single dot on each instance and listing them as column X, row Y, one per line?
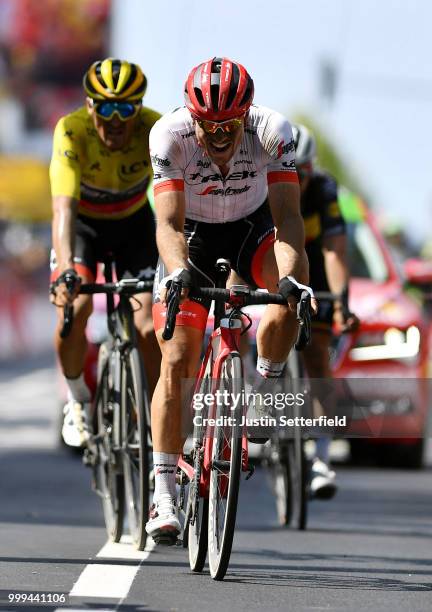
column 225, row 185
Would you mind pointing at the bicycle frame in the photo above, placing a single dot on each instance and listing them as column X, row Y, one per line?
column 223, row 342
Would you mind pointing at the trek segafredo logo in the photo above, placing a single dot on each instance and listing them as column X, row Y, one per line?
column 196, row 177
column 212, row 190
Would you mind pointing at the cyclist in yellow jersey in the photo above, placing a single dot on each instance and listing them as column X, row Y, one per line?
column 100, row 171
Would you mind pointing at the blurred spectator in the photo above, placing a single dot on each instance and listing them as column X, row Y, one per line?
column 23, row 274
column 48, row 46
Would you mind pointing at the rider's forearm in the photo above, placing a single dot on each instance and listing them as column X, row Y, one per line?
column 63, row 230
column 335, row 262
column 289, row 249
column 172, row 246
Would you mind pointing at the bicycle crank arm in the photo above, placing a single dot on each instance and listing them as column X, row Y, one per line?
column 221, row 465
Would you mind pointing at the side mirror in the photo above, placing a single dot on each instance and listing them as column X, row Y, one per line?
column 418, row 272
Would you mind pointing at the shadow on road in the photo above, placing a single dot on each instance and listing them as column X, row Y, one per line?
column 47, row 487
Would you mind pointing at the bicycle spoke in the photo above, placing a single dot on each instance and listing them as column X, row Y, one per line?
column 225, row 474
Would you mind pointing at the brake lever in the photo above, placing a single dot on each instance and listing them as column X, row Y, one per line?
column 304, row 320
column 173, row 308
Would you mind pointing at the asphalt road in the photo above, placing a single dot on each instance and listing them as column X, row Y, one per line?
column 368, row 549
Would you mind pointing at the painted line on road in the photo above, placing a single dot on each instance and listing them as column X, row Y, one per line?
column 111, row 580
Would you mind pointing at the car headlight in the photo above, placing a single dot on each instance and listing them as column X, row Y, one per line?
column 392, row 343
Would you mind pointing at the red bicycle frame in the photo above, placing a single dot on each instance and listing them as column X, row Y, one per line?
column 223, row 341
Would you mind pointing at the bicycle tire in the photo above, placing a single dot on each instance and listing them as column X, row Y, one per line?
column 295, row 456
column 197, row 531
column 109, row 480
column 279, row 480
column 224, row 485
column 135, row 447
column 197, row 537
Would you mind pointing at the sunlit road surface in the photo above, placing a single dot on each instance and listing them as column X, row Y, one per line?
column 368, row 549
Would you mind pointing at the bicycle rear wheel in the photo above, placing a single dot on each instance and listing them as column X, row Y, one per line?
column 279, row 477
column 197, row 506
column 197, row 537
column 108, row 474
column 135, row 445
column 295, row 454
column 225, row 471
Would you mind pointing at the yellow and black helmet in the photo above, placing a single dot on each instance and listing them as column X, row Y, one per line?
column 114, row 79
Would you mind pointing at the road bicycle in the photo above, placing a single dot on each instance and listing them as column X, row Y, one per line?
column 209, row 476
column 119, row 448
column 286, row 459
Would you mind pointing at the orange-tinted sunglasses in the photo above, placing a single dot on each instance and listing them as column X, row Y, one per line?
column 211, row 127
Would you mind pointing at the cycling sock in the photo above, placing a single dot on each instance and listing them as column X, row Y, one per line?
column 165, row 469
column 270, row 369
column 77, row 389
column 322, row 452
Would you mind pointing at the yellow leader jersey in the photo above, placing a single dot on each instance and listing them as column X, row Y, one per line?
column 108, row 184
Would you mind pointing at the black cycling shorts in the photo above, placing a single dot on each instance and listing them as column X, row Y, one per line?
column 244, row 243
column 131, row 242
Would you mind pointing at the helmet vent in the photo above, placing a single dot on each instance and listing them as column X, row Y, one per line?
column 235, row 77
column 199, row 96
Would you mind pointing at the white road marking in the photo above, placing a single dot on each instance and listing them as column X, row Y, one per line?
column 124, row 550
column 111, row 580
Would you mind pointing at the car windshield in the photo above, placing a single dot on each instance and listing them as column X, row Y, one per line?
column 365, row 256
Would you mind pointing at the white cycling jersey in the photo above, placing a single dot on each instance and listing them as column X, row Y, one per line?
column 265, row 155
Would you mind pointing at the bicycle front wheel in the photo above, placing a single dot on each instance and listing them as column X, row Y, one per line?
column 135, row 446
column 108, row 474
column 225, row 470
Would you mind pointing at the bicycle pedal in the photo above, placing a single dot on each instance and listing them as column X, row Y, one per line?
column 165, row 539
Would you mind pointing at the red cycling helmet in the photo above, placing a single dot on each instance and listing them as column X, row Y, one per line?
column 218, row 90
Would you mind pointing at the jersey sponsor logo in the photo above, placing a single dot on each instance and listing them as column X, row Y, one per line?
column 242, row 161
column 241, row 175
column 285, row 148
column 157, row 175
column 212, row 190
column 188, row 135
column 127, row 172
column 96, row 166
column 290, row 164
column 203, row 164
column 69, row 134
column 159, row 161
column 91, row 132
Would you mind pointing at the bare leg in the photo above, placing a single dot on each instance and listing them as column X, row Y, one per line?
column 180, row 358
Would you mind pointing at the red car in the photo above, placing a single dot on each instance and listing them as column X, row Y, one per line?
column 382, row 367
column 384, row 363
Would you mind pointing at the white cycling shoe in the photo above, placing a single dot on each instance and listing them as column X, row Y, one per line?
column 322, row 483
column 75, row 431
column 164, row 525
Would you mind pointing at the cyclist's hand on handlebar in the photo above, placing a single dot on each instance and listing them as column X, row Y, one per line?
column 345, row 321
column 66, row 288
column 292, row 290
column 181, row 274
